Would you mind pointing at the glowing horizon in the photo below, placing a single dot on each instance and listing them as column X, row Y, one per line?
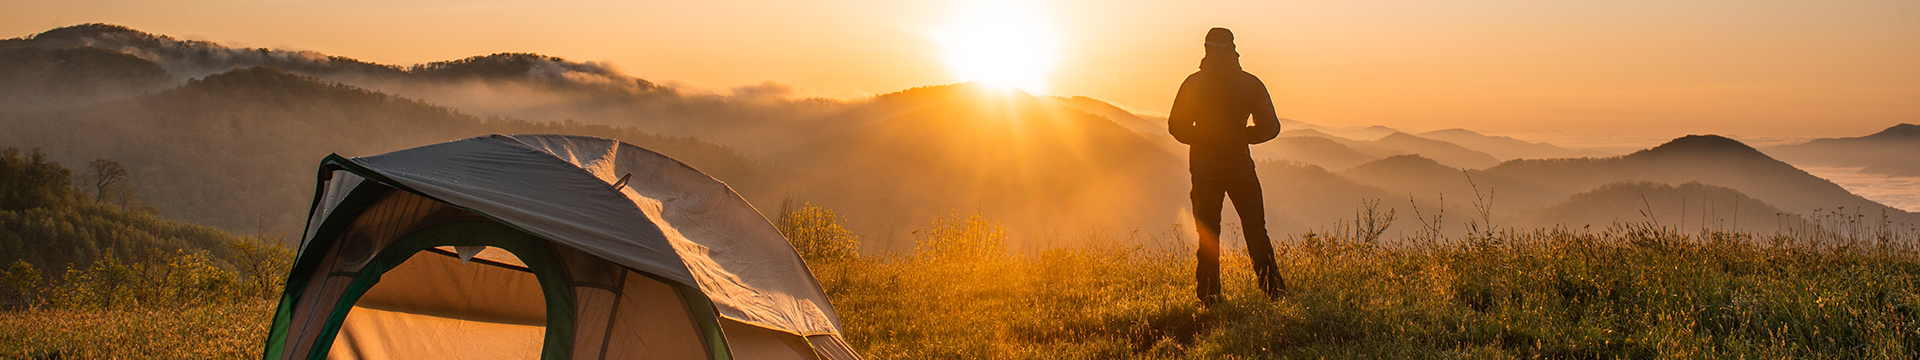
column 1644, row 69
column 999, row 43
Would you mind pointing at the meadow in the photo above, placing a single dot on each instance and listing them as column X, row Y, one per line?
column 1842, row 286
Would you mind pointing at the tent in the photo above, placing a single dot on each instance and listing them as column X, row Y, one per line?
column 543, row 246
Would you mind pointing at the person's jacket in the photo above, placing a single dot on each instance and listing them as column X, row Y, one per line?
column 1210, row 113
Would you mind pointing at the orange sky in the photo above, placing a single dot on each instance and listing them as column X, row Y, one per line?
column 1544, row 70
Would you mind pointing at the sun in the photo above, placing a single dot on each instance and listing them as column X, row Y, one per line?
column 999, row 43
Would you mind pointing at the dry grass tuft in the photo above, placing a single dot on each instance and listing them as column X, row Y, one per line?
column 219, row 331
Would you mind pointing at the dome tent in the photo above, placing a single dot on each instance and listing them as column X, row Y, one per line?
column 547, row 246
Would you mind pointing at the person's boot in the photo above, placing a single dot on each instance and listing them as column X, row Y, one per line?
column 1275, row 287
column 1270, row 282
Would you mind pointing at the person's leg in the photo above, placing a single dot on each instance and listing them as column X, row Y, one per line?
column 1251, row 204
column 1207, row 197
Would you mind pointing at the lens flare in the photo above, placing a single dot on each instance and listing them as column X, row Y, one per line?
column 1004, row 44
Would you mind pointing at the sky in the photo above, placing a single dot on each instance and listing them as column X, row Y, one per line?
column 1566, row 71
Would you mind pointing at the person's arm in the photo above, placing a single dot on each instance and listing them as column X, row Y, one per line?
column 1180, row 119
column 1266, row 125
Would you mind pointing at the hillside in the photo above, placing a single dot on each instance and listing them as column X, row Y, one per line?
column 1687, row 207
column 1312, row 150
column 46, row 222
column 1350, row 132
column 1707, row 159
column 1029, row 161
column 1154, row 128
column 39, row 77
column 1444, row 152
column 1506, row 148
column 237, row 149
column 1136, row 122
column 1302, row 198
column 1436, row 187
column 1391, row 144
column 1562, row 191
column 1894, row 151
column 516, row 85
column 193, row 58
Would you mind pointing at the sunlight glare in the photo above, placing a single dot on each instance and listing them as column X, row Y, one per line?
column 999, row 43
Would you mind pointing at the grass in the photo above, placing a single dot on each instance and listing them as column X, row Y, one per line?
column 1630, row 291
column 232, row 330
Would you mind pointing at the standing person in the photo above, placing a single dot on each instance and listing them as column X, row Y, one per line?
column 1210, row 114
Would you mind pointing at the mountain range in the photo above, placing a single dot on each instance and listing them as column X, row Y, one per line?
column 1894, row 151
column 227, row 137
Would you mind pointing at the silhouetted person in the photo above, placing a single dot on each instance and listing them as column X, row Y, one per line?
column 1210, row 114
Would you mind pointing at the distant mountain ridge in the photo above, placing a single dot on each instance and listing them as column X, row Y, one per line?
column 1393, row 144
column 1314, row 150
column 534, row 86
column 1893, row 151
column 194, row 58
column 1543, row 192
column 1708, row 159
column 1363, row 133
column 528, row 86
column 236, row 146
column 1506, row 148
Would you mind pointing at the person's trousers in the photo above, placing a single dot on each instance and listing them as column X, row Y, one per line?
column 1247, row 199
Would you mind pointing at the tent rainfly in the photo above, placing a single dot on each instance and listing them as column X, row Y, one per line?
column 543, row 246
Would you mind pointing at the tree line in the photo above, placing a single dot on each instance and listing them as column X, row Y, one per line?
column 70, row 241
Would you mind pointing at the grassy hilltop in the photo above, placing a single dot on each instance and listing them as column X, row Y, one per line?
column 1844, row 288
column 1632, row 291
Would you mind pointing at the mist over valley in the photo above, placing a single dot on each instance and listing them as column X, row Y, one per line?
column 229, row 137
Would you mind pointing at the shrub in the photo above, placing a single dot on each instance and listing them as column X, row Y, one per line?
column 817, row 235
column 954, row 238
column 184, row 279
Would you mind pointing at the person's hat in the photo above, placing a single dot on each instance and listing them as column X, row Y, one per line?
column 1220, row 37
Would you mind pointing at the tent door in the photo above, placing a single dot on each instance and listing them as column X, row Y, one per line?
column 419, row 299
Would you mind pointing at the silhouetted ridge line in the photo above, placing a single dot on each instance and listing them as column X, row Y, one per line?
column 1901, row 132
column 1691, row 145
column 944, row 92
column 194, row 58
column 263, row 77
column 520, row 65
column 271, row 85
column 1894, row 151
column 1506, row 148
column 1402, row 163
column 91, row 30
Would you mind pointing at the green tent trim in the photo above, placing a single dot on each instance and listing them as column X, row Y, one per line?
column 558, row 340
column 539, row 260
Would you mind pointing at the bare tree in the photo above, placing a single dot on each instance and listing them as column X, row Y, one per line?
column 105, row 174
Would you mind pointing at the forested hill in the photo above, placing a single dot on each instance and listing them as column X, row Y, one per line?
column 47, row 222
column 36, row 76
column 527, row 86
column 237, row 150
